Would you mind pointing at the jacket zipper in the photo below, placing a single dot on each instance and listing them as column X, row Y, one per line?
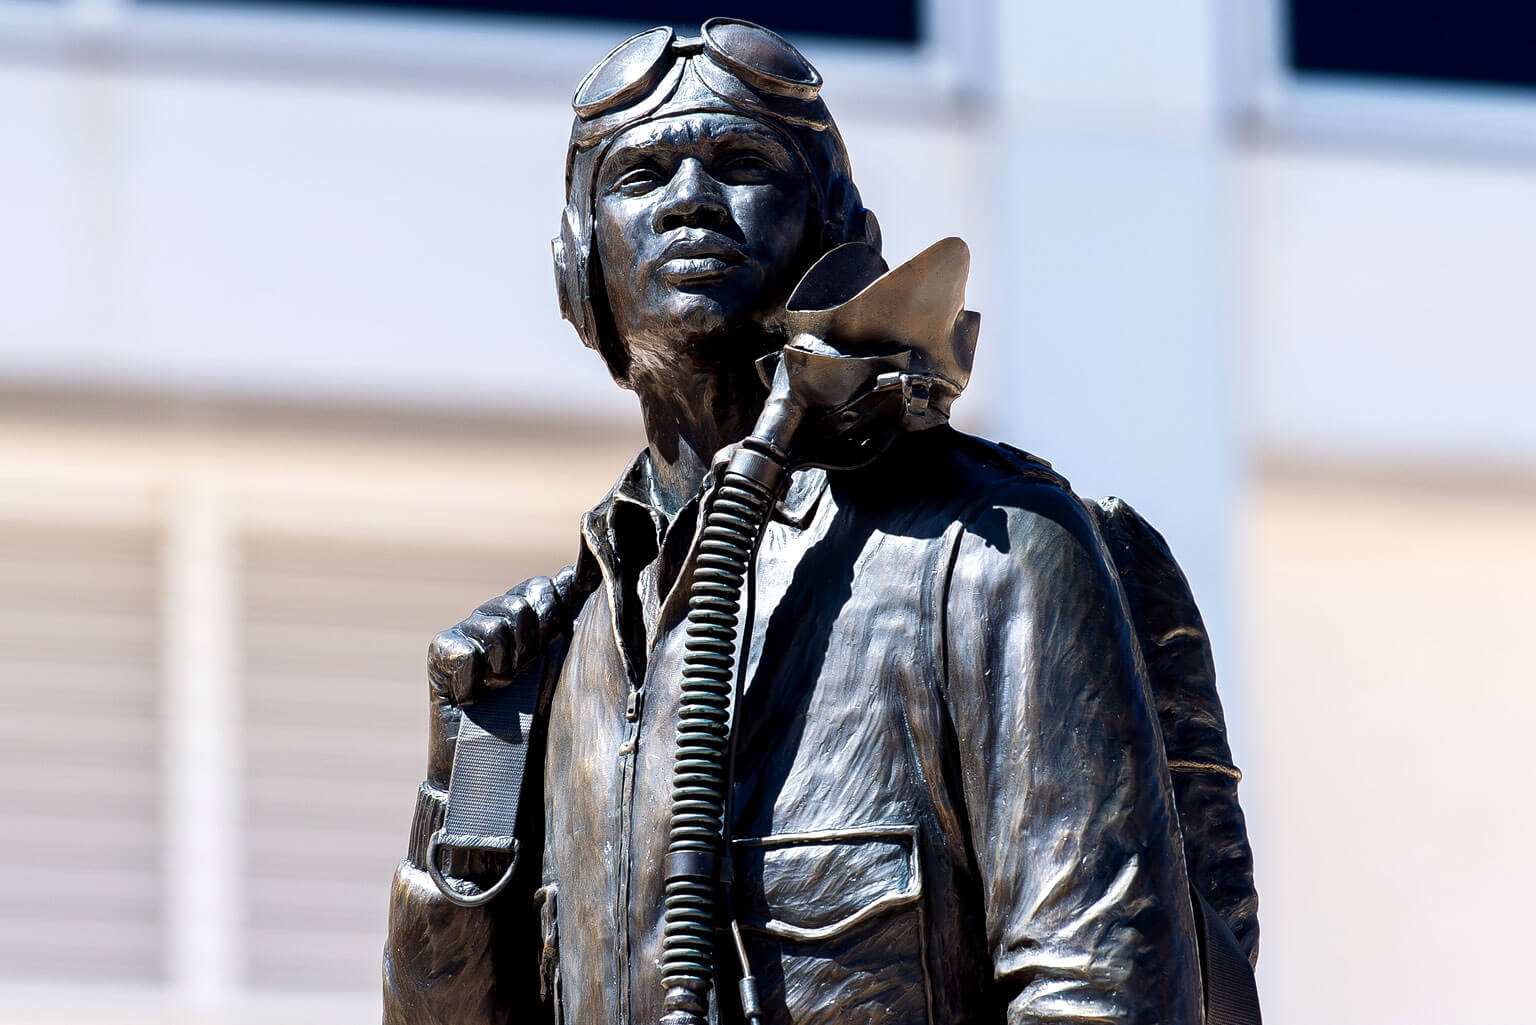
column 626, row 756
column 621, row 891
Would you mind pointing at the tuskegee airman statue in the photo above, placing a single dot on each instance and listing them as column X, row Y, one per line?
column 840, row 715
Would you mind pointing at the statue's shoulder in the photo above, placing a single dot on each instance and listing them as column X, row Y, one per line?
column 932, row 480
column 989, row 483
column 973, row 468
column 1000, row 461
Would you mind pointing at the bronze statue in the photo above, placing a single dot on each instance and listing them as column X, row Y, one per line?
column 840, row 715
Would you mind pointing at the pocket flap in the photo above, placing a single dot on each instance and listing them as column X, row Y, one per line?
column 812, row 886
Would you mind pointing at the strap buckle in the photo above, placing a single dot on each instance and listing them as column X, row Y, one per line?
column 486, row 787
column 458, row 841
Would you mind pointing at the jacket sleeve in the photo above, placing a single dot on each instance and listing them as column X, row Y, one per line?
column 445, row 964
column 1065, row 784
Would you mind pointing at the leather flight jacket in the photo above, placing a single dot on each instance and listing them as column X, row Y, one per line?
column 951, row 801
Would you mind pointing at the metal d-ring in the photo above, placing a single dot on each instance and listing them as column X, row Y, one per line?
column 467, row 900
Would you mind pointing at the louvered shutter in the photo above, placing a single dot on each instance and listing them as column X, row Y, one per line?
column 81, row 887
column 335, row 712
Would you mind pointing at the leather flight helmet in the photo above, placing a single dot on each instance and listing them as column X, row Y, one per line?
column 733, row 67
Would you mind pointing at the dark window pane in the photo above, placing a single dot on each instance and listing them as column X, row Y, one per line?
column 884, row 20
column 1487, row 41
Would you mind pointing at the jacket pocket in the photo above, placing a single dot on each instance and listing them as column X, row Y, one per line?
column 835, row 924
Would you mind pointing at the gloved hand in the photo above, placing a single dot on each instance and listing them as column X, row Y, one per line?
column 444, row 962
column 503, row 635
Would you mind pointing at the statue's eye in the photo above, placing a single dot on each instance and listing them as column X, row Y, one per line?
column 748, row 167
column 637, row 180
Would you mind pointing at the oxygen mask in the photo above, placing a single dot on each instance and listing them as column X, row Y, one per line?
column 873, row 353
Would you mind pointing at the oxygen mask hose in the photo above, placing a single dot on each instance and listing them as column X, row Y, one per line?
column 751, row 483
column 909, row 346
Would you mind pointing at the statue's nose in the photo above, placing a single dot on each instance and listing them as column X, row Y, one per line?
column 693, row 198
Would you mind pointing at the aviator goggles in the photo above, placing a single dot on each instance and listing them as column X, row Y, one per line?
column 763, row 60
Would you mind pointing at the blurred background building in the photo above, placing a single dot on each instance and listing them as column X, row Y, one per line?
column 284, row 389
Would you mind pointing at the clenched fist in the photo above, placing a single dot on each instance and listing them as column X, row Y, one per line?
column 502, row 636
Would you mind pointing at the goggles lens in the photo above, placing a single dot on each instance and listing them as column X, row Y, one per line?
column 764, row 60
column 630, row 70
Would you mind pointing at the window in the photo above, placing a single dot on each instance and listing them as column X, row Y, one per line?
column 894, row 22
column 1470, row 41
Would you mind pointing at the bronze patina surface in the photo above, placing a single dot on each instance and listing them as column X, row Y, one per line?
column 965, row 712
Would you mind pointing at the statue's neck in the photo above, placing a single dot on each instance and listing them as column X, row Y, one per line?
column 690, row 414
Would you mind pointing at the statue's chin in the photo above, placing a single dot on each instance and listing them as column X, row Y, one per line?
column 711, row 343
column 721, row 326
column 716, row 327
column 693, row 317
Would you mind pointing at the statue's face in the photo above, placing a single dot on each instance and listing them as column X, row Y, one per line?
column 700, row 226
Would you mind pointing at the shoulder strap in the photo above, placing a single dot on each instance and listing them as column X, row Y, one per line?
column 501, row 742
column 500, row 747
column 1012, row 460
column 1231, row 995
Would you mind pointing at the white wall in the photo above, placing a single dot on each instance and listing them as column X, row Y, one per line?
column 1115, row 189
column 311, row 240
column 1388, row 802
column 1138, row 271
column 1388, row 305
column 339, row 242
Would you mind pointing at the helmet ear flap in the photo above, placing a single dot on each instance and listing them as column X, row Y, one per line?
column 571, row 285
column 869, row 229
column 557, row 245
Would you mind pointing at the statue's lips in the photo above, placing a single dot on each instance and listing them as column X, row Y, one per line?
column 696, row 259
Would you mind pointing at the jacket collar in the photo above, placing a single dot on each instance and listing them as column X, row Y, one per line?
column 795, row 509
column 799, row 502
column 601, row 530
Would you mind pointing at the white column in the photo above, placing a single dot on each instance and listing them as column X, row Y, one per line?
column 1119, row 361
column 202, row 755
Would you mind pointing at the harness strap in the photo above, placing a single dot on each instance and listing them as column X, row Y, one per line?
column 1231, row 997
column 485, row 790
